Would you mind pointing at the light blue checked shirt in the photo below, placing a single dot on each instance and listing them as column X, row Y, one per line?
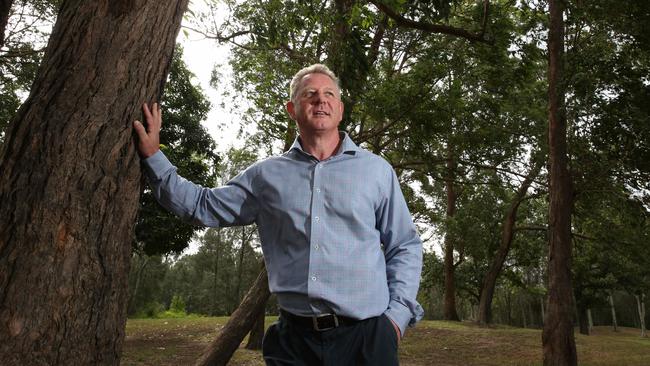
column 336, row 234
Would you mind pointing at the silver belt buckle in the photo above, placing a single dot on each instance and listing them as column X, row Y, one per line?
column 318, row 328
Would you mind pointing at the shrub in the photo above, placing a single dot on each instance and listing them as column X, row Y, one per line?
column 177, row 305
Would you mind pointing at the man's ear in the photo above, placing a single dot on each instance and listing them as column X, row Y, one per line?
column 291, row 109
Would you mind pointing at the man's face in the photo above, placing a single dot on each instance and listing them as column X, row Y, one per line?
column 318, row 107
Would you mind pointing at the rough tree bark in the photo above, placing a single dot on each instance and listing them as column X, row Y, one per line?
column 557, row 337
column 71, row 179
column 222, row 348
column 507, row 236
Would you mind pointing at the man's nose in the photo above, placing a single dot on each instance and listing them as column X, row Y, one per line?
column 319, row 97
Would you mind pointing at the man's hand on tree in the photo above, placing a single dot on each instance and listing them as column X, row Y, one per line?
column 149, row 138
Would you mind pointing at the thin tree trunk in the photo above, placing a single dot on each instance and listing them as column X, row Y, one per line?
column 508, row 308
column 611, row 305
column 541, row 305
column 136, row 287
column 591, row 320
column 240, row 323
column 215, row 282
column 257, row 333
column 449, row 310
column 71, row 179
column 531, row 313
column 640, row 303
column 583, row 320
column 558, row 340
column 523, row 315
column 242, row 255
column 507, row 236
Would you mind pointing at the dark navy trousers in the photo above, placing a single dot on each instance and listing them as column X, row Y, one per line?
column 372, row 341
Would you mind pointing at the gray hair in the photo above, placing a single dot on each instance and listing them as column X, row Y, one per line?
column 312, row 69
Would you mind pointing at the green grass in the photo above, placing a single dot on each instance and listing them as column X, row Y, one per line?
column 179, row 341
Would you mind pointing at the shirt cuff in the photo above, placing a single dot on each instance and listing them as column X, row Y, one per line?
column 156, row 166
column 399, row 314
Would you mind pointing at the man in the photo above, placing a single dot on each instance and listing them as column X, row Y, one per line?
column 341, row 250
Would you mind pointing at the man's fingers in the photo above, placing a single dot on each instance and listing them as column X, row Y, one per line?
column 148, row 134
column 158, row 114
column 153, row 116
column 140, row 130
column 147, row 115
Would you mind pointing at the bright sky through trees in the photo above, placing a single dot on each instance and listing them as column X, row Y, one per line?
column 201, row 55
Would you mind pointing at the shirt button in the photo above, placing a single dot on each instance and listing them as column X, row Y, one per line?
column 317, row 190
column 317, row 218
column 316, row 246
column 313, row 277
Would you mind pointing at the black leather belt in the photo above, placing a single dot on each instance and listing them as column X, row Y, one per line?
column 318, row 322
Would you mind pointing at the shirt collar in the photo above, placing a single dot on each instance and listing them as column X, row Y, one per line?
column 347, row 145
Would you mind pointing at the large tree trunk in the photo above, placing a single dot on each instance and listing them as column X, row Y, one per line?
column 71, row 179
column 449, row 310
column 557, row 338
column 222, row 348
column 507, row 236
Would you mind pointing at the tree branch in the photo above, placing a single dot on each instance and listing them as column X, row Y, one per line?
column 217, row 36
column 434, row 28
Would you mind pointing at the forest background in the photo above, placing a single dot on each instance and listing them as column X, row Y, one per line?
column 463, row 120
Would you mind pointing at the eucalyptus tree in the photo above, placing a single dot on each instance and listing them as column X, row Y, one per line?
column 71, row 182
column 557, row 338
column 608, row 62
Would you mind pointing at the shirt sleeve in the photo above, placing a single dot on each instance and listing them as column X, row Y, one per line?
column 229, row 205
column 403, row 251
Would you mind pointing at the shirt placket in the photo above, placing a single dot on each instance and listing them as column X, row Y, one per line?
column 316, row 270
